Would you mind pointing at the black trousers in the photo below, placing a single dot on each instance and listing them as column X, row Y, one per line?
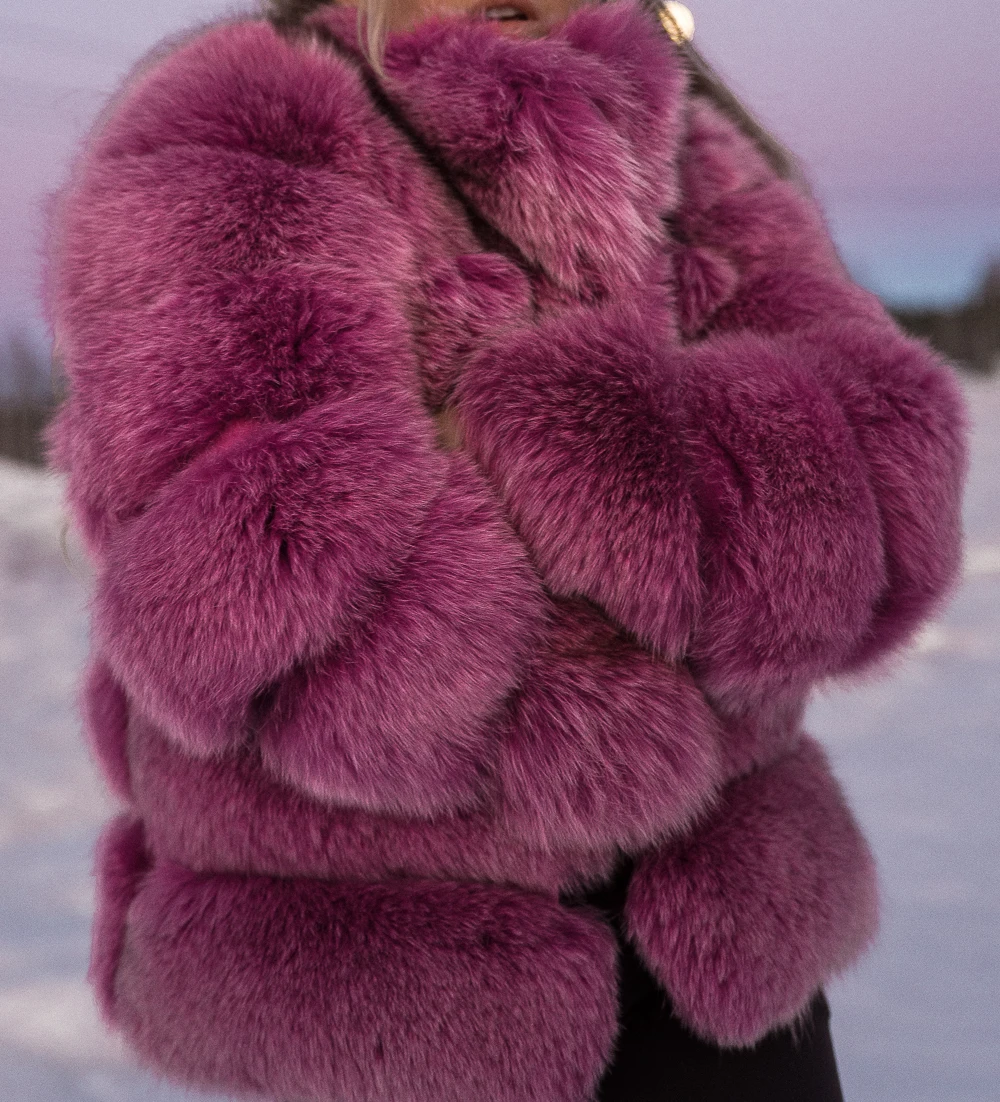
column 658, row 1060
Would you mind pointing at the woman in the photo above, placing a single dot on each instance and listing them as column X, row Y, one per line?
column 483, row 453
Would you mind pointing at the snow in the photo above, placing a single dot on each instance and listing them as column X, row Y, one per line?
column 918, row 752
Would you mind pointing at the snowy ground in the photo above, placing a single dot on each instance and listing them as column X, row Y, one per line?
column 919, row 755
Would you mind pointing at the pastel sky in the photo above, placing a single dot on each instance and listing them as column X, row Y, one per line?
column 894, row 105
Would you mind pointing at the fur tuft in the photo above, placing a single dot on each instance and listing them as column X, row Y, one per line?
column 197, row 812
column 399, row 717
column 566, row 147
column 311, row 990
column 578, row 424
column 767, row 901
column 605, row 743
column 793, row 562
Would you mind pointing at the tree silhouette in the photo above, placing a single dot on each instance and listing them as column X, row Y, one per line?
column 968, row 334
column 27, row 398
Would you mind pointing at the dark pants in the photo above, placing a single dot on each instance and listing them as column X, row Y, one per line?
column 658, row 1060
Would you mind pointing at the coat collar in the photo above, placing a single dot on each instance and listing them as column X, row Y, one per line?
column 567, row 145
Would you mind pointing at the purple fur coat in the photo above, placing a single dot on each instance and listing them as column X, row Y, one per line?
column 375, row 708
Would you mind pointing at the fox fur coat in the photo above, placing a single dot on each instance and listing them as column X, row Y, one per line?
column 376, row 708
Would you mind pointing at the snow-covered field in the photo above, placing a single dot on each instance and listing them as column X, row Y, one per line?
column 919, row 754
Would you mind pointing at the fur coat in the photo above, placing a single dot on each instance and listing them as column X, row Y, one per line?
column 376, row 708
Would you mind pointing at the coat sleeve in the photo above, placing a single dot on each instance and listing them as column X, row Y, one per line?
column 247, row 455
column 757, row 270
column 772, row 491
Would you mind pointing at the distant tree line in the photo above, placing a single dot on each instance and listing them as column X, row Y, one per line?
column 30, row 384
column 968, row 334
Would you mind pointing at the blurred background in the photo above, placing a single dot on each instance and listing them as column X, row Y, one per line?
column 894, row 108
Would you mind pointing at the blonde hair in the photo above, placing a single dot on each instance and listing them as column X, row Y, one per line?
column 373, row 22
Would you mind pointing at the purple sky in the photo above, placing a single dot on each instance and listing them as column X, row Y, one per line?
column 881, row 97
column 896, row 115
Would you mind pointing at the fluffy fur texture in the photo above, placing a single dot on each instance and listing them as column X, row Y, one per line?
column 122, row 863
column 604, row 742
column 317, row 990
column 541, row 140
column 230, row 813
column 783, row 887
column 363, row 696
column 397, row 719
column 104, row 708
column 573, row 419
